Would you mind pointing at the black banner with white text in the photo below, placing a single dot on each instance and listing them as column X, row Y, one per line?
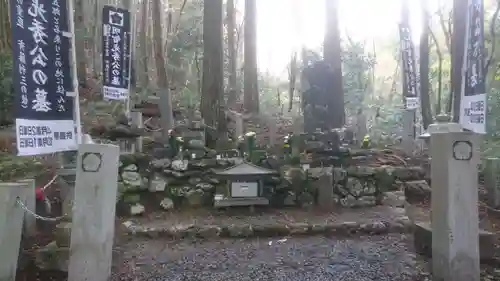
column 473, row 96
column 44, row 112
column 409, row 67
column 116, row 42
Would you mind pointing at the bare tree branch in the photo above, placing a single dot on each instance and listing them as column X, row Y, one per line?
column 446, row 27
column 173, row 31
column 180, row 14
column 238, row 35
column 292, row 75
column 440, row 71
column 394, row 79
column 198, row 70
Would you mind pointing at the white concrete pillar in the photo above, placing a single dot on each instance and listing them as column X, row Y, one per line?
column 492, row 181
column 455, row 230
column 93, row 228
column 11, row 225
column 29, row 220
column 442, row 124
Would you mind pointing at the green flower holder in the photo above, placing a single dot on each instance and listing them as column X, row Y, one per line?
column 250, row 146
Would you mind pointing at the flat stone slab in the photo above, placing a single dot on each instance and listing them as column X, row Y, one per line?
column 377, row 220
column 423, row 241
column 249, row 201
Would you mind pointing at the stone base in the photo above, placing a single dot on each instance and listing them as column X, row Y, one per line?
column 244, row 201
column 63, row 234
column 52, row 257
column 423, row 241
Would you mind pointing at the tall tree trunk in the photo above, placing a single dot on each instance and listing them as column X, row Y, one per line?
column 5, row 29
column 332, row 55
column 162, row 79
column 130, row 6
column 212, row 92
column 97, row 40
column 143, row 42
column 231, row 45
column 80, row 42
column 458, row 49
column 251, row 87
column 425, row 101
column 440, row 73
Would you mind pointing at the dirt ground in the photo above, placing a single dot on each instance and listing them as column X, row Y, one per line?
column 128, row 253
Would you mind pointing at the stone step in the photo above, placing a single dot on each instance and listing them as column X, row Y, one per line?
column 365, row 221
column 423, row 241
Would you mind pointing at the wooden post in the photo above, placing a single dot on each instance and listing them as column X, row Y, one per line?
column 74, row 70
column 11, row 226
column 455, row 230
column 136, row 117
column 94, row 213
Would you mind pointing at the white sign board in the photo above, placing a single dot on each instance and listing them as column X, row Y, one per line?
column 244, row 189
column 411, row 103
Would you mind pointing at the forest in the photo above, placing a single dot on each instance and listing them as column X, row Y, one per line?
column 203, row 55
column 298, row 110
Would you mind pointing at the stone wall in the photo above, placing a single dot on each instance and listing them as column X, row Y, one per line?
column 145, row 183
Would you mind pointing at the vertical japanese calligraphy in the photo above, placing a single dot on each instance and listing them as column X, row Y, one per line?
column 409, row 68
column 44, row 114
column 116, row 52
column 473, row 100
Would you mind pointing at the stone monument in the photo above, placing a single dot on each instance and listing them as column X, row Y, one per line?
column 244, row 186
column 453, row 233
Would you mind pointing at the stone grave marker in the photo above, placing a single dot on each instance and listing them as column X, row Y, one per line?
column 127, row 146
column 326, row 199
column 193, row 133
column 11, row 224
column 137, row 121
column 196, row 154
column 244, row 186
column 408, row 141
column 231, row 156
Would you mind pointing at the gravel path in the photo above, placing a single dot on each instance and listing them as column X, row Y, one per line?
column 296, row 259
